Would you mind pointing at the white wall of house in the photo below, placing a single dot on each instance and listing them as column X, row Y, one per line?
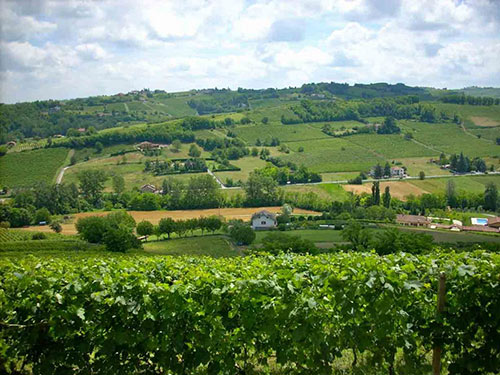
column 262, row 222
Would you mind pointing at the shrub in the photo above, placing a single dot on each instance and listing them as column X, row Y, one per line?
column 242, row 233
column 39, row 236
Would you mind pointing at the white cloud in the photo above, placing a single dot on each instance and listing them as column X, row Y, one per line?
column 50, row 48
column 91, row 51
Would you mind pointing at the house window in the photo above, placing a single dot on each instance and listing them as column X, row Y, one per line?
column 263, row 223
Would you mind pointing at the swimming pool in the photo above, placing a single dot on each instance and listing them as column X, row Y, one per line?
column 479, row 221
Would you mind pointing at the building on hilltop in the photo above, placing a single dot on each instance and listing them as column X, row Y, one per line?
column 263, row 220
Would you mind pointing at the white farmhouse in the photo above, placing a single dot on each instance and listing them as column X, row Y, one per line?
column 263, row 220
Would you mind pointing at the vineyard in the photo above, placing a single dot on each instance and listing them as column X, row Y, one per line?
column 284, row 314
column 44, row 245
column 10, row 235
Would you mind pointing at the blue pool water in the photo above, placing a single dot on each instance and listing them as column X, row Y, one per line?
column 482, row 221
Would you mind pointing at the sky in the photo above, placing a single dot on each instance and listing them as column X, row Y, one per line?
column 61, row 49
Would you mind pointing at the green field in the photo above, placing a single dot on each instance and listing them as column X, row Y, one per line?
column 332, row 155
column 449, row 138
column 314, row 235
column 330, row 236
column 285, row 133
column 31, row 167
column 471, row 184
column 214, row 246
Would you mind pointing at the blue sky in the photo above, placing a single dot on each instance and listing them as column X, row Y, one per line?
column 74, row 48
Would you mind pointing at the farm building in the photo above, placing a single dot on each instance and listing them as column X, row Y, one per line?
column 494, row 222
column 148, row 188
column 147, row 146
column 412, row 220
column 81, row 130
column 263, row 220
column 11, row 143
column 397, row 172
column 479, row 228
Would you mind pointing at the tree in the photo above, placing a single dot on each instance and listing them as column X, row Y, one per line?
column 19, row 217
column 42, row 215
column 167, row 226
column 378, row 171
column 192, row 225
column 387, row 170
column 261, row 190
column 389, row 126
column 56, row 226
column 99, row 147
column 118, row 184
column 213, row 223
column 119, row 240
column 242, row 234
column 92, row 185
column 92, row 228
column 265, row 120
column 145, row 228
column 357, row 236
column 194, row 151
column 491, row 197
column 176, row 145
column 72, row 160
column 386, row 197
column 376, row 193
column 180, row 227
column 421, row 175
column 202, row 192
column 451, row 195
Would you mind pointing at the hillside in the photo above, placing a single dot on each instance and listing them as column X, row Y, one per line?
column 311, row 127
column 58, row 117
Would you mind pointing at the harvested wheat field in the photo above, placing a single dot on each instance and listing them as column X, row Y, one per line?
column 155, row 216
column 484, row 121
column 399, row 189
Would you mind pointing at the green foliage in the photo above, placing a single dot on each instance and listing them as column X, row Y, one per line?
column 145, row 228
column 113, row 230
column 491, row 197
column 241, row 233
column 261, row 190
column 92, row 185
column 43, row 215
column 185, row 315
column 56, row 226
column 276, row 242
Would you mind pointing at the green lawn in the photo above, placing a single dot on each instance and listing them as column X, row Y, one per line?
column 27, row 168
column 215, row 246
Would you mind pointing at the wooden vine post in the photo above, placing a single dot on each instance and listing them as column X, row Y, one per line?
column 436, row 352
